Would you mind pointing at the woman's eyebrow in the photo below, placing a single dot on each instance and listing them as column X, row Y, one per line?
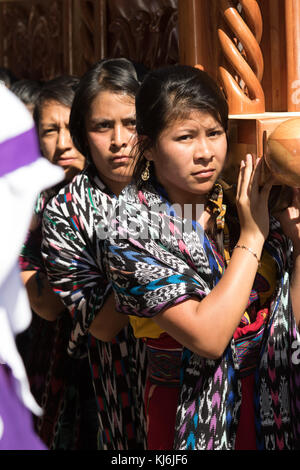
column 49, row 124
column 108, row 120
column 129, row 118
column 100, row 120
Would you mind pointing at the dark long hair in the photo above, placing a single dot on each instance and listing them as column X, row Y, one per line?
column 170, row 93
column 115, row 75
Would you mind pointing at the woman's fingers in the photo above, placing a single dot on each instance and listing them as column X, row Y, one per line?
column 240, row 179
column 252, row 200
column 248, row 186
column 245, row 177
column 256, row 174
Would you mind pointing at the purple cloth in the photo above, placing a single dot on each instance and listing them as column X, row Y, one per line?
column 24, row 145
column 16, row 427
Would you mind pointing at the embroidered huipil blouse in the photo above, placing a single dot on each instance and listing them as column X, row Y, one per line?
column 73, row 256
column 152, row 268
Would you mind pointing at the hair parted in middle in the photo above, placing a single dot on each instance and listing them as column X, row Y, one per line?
column 115, row 75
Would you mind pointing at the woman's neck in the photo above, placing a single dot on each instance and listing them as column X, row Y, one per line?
column 116, row 187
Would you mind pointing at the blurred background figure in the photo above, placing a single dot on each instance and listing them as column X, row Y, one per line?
column 22, row 176
column 7, row 77
column 52, row 115
column 27, row 91
column 54, row 377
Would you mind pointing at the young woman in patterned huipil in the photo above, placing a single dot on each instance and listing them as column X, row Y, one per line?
column 193, row 266
column 102, row 124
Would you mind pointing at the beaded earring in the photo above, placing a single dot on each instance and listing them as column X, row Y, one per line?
column 146, row 173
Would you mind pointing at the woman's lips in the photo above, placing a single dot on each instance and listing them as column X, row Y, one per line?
column 121, row 158
column 204, row 173
column 65, row 161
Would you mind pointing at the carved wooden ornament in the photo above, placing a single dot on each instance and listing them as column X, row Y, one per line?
column 242, row 87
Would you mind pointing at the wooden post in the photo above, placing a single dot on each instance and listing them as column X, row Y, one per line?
column 67, row 37
column 90, row 31
column 198, row 40
column 189, row 24
column 273, row 46
column 292, row 23
column 101, row 29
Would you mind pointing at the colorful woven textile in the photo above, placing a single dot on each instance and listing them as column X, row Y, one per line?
column 61, row 385
column 150, row 274
column 73, row 256
column 164, row 361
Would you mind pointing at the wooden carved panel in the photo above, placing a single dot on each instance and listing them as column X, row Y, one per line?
column 89, row 33
column 35, row 37
column 143, row 31
column 41, row 39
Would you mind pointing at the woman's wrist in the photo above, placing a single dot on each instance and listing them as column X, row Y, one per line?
column 254, row 244
column 249, row 250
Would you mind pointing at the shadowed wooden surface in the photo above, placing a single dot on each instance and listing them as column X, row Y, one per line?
column 41, row 39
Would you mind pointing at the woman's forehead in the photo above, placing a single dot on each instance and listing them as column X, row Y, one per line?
column 109, row 101
column 195, row 117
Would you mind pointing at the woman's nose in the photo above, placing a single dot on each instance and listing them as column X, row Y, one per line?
column 119, row 136
column 64, row 139
column 204, row 149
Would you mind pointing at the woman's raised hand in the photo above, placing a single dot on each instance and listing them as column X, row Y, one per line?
column 252, row 201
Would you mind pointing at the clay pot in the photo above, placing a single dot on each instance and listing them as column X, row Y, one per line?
column 282, row 155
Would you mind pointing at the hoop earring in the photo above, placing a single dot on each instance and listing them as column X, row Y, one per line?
column 146, row 173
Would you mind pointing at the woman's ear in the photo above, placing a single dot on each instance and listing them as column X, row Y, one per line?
column 147, row 147
column 148, row 154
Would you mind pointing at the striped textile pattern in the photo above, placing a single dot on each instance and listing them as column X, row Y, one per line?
column 73, row 257
column 153, row 273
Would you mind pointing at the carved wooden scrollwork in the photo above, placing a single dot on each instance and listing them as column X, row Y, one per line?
column 241, row 78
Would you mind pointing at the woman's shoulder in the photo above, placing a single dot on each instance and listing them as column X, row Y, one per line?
column 129, row 195
column 78, row 183
column 81, row 193
column 146, row 197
